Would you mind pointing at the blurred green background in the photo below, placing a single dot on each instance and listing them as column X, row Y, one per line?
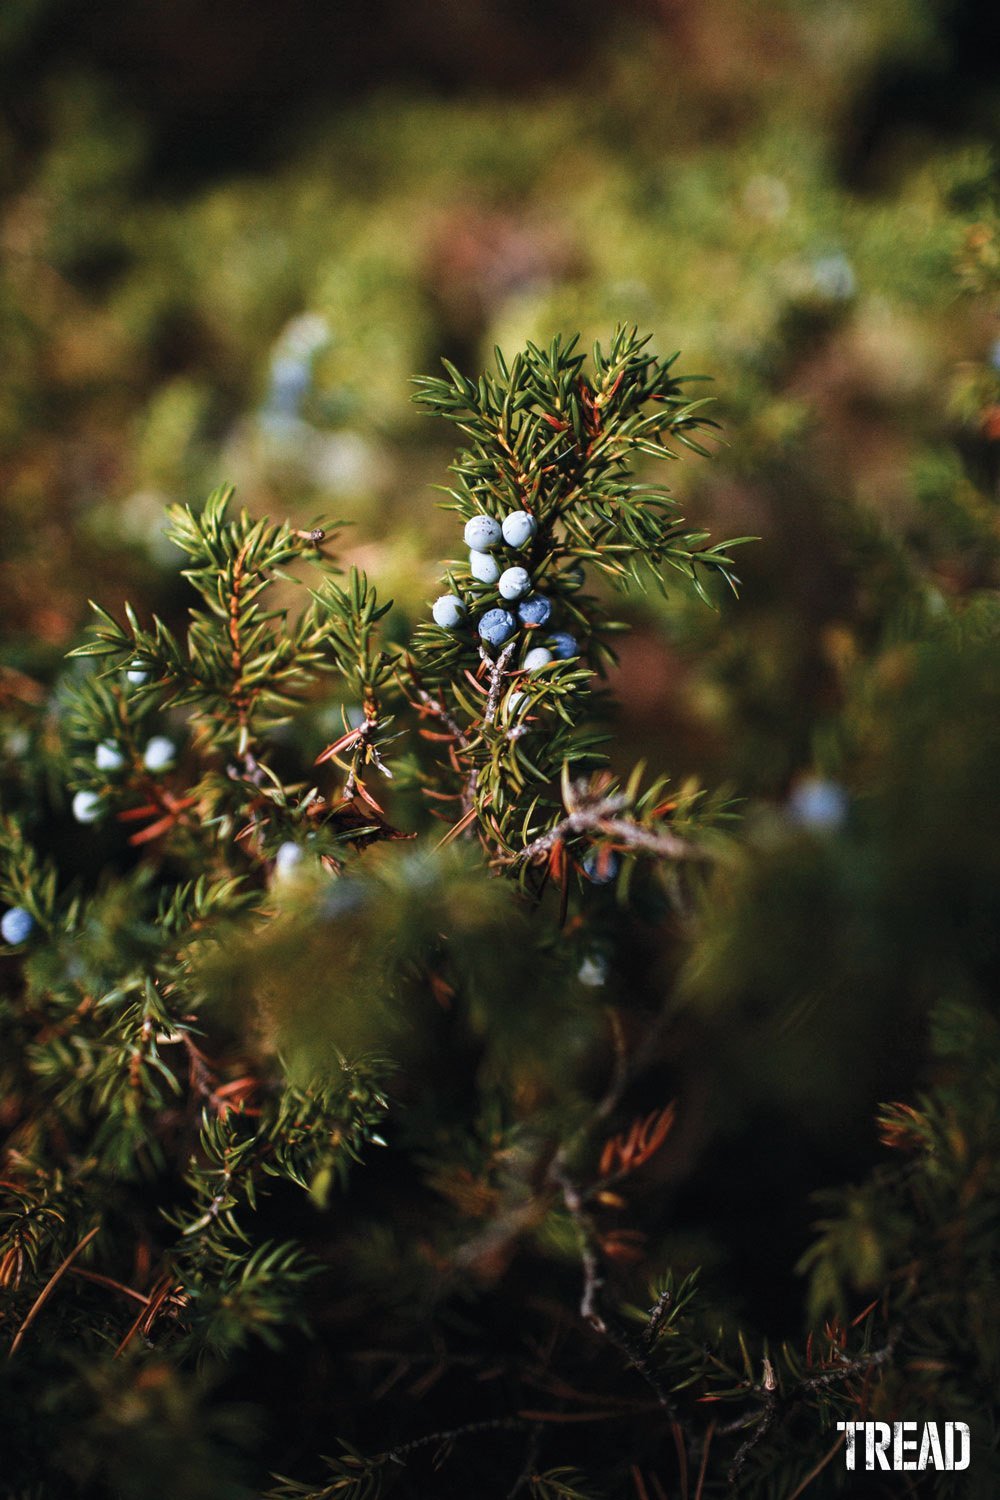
column 232, row 233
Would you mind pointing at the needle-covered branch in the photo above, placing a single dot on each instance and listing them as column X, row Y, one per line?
column 547, row 489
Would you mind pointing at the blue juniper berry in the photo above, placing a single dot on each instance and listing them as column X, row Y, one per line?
column 519, row 528
column 497, row 626
column 16, row 926
column 448, row 611
column 535, row 610
column 482, row 534
column 601, row 866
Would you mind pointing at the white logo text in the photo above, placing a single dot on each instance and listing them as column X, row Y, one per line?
column 906, row 1445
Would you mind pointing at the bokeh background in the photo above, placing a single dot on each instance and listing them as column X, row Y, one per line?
column 231, row 234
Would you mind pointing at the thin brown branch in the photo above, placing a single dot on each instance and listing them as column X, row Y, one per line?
column 682, row 1458
column 640, row 1484
column 492, row 1424
column 703, row 1466
column 593, row 1284
column 241, row 698
column 498, row 672
column 593, row 1270
column 109, row 1281
column 49, row 1288
column 635, row 836
column 438, row 710
column 800, row 1489
column 464, row 822
column 162, row 1293
column 657, row 1313
column 599, row 1414
column 763, row 1422
column 862, row 1364
column 581, row 820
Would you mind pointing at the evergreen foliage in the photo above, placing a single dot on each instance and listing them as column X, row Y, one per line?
column 337, row 1078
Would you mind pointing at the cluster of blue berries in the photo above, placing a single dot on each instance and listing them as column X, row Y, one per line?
column 483, row 536
column 158, row 755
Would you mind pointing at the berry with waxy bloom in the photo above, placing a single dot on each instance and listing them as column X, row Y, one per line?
column 484, row 567
column 16, row 926
column 86, row 807
column 108, row 756
column 287, row 859
column 535, row 610
column 482, row 534
column 514, row 583
column 518, row 528
column 536, row 659
column 448, row 611
column 159, row 753
column 497, row 626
